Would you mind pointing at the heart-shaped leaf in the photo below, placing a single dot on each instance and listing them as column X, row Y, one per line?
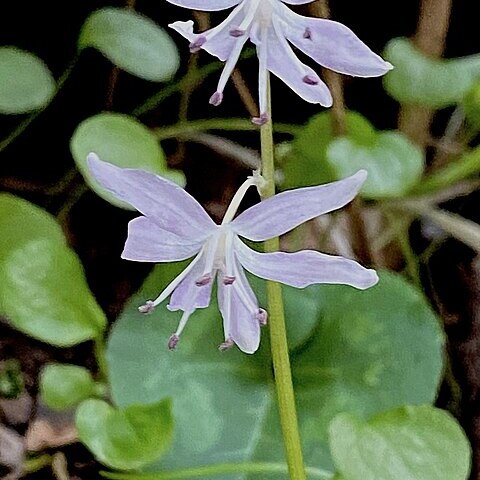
column 370, row 351
column 128, row 438
column 123, row 141
column 409, row 443
column 306, row 164
column 44, row 294
column 131, row 41
column 418, row 79
column 394, row 164
column 26, row 83
column 64, row 386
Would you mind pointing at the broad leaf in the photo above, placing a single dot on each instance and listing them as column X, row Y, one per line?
column 63, row 386
column 44, row 294
column 418, row 79
column 26, row 83
column 127, row 438
column 409, row 443
column 131, row 41
column 394, row 164
column 123, row 141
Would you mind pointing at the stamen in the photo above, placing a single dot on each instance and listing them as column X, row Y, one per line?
column 148, row 308
column 226, row 345
column 262, row 317
column 261, row 120
column 197, row 44
column 237, row 32
column 307, row 34
column 173, row 341
column 228, row 279
column 216, row 99
column 310, row 80
column 203, row 280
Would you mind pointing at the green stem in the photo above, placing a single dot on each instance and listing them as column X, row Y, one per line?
column 99, row 349
column 35, row 464
column 225, row 124
column 29, row 120
column 214, row 470
column 278, row 332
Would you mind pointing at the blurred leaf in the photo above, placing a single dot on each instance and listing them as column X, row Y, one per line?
column 410, row 443
column 394, row 164
column 371, row 351
column 123, row 141
column 131, row 41
column 22, row 221
column 126, row 438
column 44, row 294
column 471, row 107
column 64, row 386
column 307, row 164
column 418, row 79
column 11, row 379
column 26, row 83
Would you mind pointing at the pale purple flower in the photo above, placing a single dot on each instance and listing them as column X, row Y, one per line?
column 272, row 27
column 174, row 227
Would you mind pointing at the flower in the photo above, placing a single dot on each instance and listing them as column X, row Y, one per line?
column 272, row 26
column 174, row 227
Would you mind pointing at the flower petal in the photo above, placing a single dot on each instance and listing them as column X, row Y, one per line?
column 148, row 242
column 216, row 41
column 189, row 296
column 305, row 268
column 282, row 62
column 240, row 322
column 332, row 45
column 283, row 212
column 169, row 205
column 206, row 6
column 297, row 2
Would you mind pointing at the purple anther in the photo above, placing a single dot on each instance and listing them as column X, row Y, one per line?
column 173, row 342
column 307, row 34
column 203, row 280
column 216, row 99
column 197, row 44
column 310, row 80
column 237, row 32
column 226, row 345
column 148, row 308
column 262, row 317
column 228, row 280
column 261, row 120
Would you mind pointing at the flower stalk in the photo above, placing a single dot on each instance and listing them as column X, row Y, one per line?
column 278, row 333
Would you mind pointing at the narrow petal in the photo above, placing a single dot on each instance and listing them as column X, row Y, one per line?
column 240, row 323
column 282, row 62
column 296, row 2
column 169, row 205
column 283, row 212
column 206, row 6
column 332, row 45
column 189, row 296
column 305, row 268
column 148, row 242
column 217, row 41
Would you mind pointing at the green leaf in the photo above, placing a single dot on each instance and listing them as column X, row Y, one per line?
column 307, row 164
column 123, row 141
column 409, row 443
column 131, row 41
column 44, row 294
column 370, row 351
column 64, row 386
column 22, row 221
column 26, row 83
column 394, row 164
column 126, row 438
column 418, row 79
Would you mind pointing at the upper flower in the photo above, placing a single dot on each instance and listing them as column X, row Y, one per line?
column 271, row 25
column 174, row 227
